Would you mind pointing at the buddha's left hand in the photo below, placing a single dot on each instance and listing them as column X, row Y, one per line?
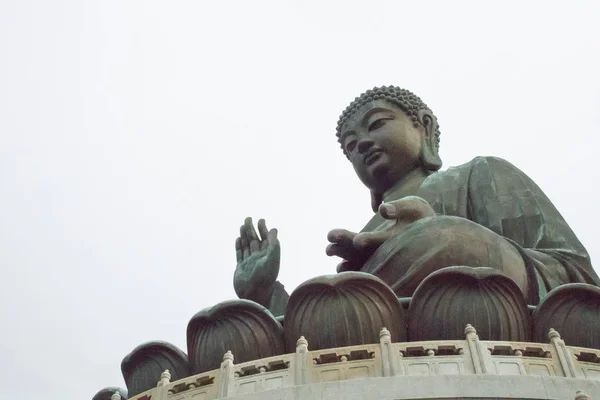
column 399, row 214
column 341, row 245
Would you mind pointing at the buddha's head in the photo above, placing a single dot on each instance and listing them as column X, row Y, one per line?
column 387, row 133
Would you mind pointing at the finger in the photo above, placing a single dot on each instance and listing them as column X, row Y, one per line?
column 341, row 236
column 410, row 208
column 250, row 231
column 244, row 243
column 371, row 240
column 397, row 208
column 238, row 250
column 345, row 252
column 262, row 229
column 252, row 237
column 264, row 234
column 388, row 210
column 243, row 235
column 272, row 240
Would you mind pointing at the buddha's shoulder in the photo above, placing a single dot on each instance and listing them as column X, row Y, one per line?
column 482, row 162
column 479, row 171
column 488, row 163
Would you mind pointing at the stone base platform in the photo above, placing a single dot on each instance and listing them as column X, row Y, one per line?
column 461, row 369
column 436, row 387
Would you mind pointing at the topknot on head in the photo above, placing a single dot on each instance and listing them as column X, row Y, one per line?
column 410, row 103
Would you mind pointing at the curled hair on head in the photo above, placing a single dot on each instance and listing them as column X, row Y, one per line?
column 410, row 103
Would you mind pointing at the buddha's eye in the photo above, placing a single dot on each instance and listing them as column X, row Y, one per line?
column 350, row 146
column 378, row 123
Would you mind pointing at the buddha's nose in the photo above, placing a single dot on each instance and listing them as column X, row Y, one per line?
column 364, row 145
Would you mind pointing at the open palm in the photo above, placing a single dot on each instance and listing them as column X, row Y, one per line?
column 258, row 260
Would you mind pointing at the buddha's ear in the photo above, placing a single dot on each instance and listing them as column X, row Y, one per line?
column 429, row 152
column 376, row 199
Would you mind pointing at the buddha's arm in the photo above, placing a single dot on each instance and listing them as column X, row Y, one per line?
column 279, row 300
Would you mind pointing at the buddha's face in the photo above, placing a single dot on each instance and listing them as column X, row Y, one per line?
column 382, row 143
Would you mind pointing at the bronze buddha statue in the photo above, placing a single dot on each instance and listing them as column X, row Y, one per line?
column 477, row 244
column 485, row 213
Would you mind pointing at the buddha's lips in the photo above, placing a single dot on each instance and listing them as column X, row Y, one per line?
column 371, row 156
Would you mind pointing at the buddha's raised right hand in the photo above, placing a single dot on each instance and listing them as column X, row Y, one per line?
column 257, row 262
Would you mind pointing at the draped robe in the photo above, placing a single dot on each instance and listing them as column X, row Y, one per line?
column 493, row 193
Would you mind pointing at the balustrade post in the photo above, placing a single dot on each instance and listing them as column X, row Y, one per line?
column 480, row 356
column 581, row 395
column 161, row 386
column 565, row 357
column 388, row 360
column 301, row 362
column 226, row 376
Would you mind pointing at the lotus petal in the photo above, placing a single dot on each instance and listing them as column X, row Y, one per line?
column 143, row 366
column 573, row 310
column 345, row 309
column 246, row 328
column 449, row 299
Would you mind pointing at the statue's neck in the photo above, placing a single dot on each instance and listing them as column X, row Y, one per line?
column 407, row 186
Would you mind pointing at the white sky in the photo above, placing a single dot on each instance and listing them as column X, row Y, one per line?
column 135, row 136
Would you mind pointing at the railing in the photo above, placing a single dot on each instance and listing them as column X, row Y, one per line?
column 385, row 359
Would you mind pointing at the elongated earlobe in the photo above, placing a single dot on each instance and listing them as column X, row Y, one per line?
column 429, row 153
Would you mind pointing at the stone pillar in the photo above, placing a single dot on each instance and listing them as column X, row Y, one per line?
column 301, row 362
column 226, row 376
column 165, row 379
column 581, row 395
column 388, row 360
column 566, row 359
column 479, row 356
column 161, row 387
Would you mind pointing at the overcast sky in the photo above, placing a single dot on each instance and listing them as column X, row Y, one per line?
column 136, row 135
